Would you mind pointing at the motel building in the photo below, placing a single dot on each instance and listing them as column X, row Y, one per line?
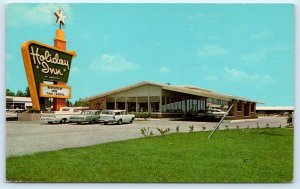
column 165, row 100
column 15, row 102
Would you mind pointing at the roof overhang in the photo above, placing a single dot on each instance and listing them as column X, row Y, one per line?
column 180, row 89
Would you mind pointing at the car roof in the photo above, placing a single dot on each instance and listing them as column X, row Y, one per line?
column 114, row 110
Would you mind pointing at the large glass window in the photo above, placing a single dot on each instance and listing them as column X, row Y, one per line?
column 240, row 106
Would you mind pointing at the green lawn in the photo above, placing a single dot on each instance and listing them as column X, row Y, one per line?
column 252, row 155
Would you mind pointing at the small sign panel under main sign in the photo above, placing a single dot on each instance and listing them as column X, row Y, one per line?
column 55, row 91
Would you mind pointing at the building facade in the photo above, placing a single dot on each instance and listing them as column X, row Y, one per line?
column 15, row 102
column 171, row 101
column 274, row 110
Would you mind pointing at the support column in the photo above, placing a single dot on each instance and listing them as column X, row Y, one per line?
column 136, row 104
column 170, row 103
column 165, row 104
column 61, row 43
column 126, row 105
column 115, row 106
column 149, row 108
column 160, row 104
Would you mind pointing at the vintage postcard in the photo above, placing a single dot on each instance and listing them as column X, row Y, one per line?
column 149, row 93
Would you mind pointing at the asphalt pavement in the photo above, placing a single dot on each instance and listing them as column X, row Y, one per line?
column 27, row 137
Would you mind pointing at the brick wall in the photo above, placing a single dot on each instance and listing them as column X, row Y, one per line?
column 97, row 104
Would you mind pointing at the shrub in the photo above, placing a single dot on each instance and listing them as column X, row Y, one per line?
column 146, row 132
column 191, row 128
column 163, row 131
column 177, row 129
column 289, row 120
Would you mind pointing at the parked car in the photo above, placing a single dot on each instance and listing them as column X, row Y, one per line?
column 218, row 113
column 116, row 116
column 87, row 116
column 211, row 114
column 61, row 116
column 12, row 114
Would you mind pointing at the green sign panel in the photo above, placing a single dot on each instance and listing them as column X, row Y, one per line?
column 49, row 64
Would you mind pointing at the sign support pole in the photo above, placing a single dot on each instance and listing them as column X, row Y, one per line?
column 211, row 134
column 61, row 43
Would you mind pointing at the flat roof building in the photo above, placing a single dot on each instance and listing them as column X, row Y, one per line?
column 15, row 102
column 279, row 110
column 171, row 101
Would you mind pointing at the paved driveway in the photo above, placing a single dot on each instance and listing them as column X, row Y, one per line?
column 36, row 136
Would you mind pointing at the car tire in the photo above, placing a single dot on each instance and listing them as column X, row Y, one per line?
column 50, row 122
column 63, row 121
column 131, row 120
column 119, row 122
column 78, row 123
column 105, row 123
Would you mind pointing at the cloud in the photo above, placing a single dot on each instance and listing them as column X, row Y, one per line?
column 254, row 57
column 236, row 75
column 27, row 14
column 112, row 63
column 165, row 69
column 211, row 78
column 211, row 50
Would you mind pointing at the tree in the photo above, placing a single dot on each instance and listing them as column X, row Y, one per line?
column 81, row 103
column 20, row 93
column 27, row 92
column 10, row 93
column 69, row 103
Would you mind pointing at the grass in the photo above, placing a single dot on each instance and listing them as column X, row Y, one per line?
column 249, row 155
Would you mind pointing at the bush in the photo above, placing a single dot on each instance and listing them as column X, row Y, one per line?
column 177, row 129
column 191, row 128
column 146, row 132
column 289, row 120
column 163, row 131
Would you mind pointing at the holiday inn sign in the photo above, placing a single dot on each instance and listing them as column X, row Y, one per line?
column 46, row 63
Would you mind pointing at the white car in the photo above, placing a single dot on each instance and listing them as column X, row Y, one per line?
column 12, row 114
column 116, row 116
column 218, row 113
column 61, row 116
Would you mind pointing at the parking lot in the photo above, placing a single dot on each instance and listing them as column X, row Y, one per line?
column 28, row 137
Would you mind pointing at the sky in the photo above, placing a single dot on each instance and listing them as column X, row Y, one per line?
column 245, row 50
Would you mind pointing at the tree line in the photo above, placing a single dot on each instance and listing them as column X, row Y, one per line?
column 19, row 93
column 26, row 93
column 77, row 103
